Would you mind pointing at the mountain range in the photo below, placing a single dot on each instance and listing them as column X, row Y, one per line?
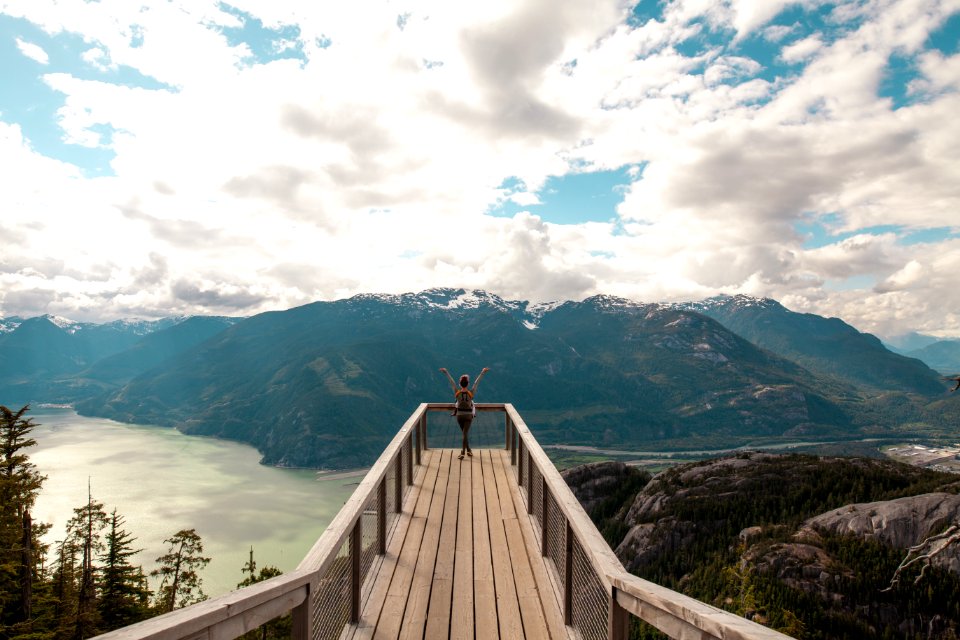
column 328, row 383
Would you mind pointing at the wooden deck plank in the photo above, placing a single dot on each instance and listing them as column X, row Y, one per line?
column 549, row 594
column 438, row 617
column 484, row 594
column 461, row 611
column 463, row 561
column 382, row 572
column 391, row 615
column 508, row 607
column 534, row 608
column 415, row 616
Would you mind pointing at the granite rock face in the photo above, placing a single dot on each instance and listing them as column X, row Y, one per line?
column 900, row 523
column 593, row 482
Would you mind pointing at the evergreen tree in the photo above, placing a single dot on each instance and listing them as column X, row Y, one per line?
column 275, row 629
column 64, row 587
column 86, row 528
column 21, row 549
column 179, row 571
column 124, row 596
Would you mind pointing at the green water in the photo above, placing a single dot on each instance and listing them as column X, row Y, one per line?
column 163, row 481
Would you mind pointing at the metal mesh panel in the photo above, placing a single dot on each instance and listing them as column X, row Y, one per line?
column 537, row 496
column 590, row 600
column 520, row 464
column 556, row 536
column 408, row 468
column 390, row 477
column 368, row 532
column 486, row 430
column 331, row 601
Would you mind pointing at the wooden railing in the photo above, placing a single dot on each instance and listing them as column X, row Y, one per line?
column 596, row 594
column 325, row 592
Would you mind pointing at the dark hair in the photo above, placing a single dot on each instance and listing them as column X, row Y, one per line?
column 464, row 380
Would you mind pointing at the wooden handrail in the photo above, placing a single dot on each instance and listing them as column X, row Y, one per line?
column 325, row 549
column 226, row 616
column 602, row 558
column 681, row 616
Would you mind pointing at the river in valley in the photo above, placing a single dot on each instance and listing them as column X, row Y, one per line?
column 162, row 481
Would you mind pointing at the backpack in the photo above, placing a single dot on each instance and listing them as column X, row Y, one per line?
column 464, row 401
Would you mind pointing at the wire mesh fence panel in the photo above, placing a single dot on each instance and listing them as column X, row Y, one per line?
column 369, row 546
column 331, row 601
column 520, row 464
column 556, row 536
column 405, row 453
column 390, row 478
column 537, row 497
column 486, row 430
column 590, row 600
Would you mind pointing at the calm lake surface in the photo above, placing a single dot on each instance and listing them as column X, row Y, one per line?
column 162, row 481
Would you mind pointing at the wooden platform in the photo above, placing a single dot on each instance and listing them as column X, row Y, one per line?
column 461, row 564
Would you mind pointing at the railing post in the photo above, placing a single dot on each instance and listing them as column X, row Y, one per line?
column 423, row 429
column 382, row 516
column 398, row 485
column 356, row 547
column 520, row 470
column 302, row 617
column 513, row 444
column 409, row 457
column 618, row 619
column 568, row 576
column 506, row 430
column 545, row 515
column 419, row 430
column 529, row 483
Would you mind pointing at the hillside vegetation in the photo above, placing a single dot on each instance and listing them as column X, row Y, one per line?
column 779, row 539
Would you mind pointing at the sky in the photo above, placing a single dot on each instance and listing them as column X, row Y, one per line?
column 168, row 157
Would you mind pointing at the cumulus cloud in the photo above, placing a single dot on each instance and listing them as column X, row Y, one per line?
column 362, row 149
column 802, row 49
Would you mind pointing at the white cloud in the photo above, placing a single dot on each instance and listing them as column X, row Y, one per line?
column 749, row 15
column 777, row 32
column 242, row 185
column 802, row 49
column 33, row 51
column 909, row 275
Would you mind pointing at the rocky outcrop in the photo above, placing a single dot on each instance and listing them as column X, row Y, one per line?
column 900, row 523
column 645, row 542
column 593, row 482
column 761, row 531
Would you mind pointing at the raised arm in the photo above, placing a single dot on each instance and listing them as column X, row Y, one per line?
column 453, row 384
column 477, row 381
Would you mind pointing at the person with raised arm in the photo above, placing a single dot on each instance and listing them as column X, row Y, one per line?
column 465, row 408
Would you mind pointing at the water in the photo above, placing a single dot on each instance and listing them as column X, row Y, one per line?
column 162, row 481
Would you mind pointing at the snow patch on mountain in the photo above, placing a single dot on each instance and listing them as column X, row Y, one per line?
column 739, row 301
column 7, row 325
column 66, row 324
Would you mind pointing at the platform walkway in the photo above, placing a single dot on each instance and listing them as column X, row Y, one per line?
column 432, row 547
column 461, row 563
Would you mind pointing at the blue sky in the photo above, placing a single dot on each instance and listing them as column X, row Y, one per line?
column 231, row 157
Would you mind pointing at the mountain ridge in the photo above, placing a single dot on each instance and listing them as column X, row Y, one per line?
column 325, row 384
